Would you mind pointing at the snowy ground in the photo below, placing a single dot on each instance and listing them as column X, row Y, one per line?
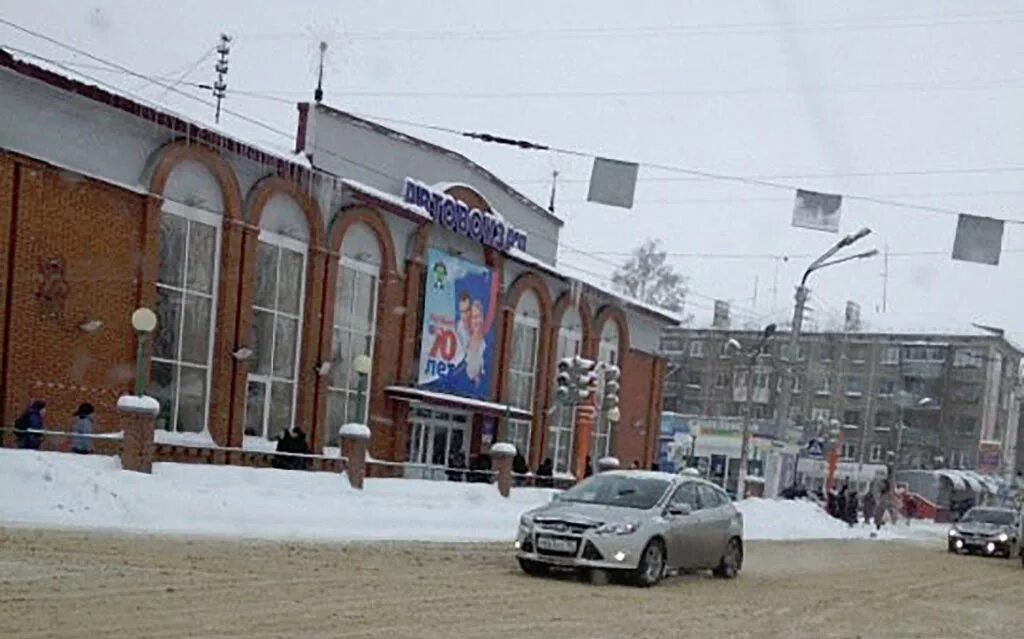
column 56, row 490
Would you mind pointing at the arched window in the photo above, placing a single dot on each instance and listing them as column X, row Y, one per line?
column 276, row 318
column 562, row 424
column 354, row 328
column 607, row 352
column 186, row 288
column 522, row 369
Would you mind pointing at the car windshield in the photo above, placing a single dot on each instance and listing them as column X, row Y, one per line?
column 618, row 490
column 997, row 517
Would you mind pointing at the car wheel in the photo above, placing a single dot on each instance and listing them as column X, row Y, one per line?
column 952, row 549
column 533, row 568
column 652, row 564
column 731, row 562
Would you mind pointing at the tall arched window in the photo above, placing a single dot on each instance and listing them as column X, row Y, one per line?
column 562, row 424
column 354, row 328
column 186, row 290
column 522, row 369
column 276, row 318
column 607, row 352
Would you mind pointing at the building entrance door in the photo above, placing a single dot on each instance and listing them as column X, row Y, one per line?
column 437, row 440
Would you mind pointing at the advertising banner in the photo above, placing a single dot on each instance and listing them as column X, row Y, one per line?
column 457, row 347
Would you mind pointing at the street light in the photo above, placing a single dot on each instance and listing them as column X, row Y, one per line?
column 752, row 355
column 798, row 311
column 902, row 402
column 144, row 323
column 361, row 365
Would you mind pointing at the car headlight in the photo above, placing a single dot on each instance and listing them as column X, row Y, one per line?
column 1003, row 537
column 618, row 529
column 953, row 532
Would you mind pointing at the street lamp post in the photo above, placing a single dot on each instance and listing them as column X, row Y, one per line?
column 823, row 261
column 144, row 322
column 902, row 426
column 361, row 365
column 752, row 355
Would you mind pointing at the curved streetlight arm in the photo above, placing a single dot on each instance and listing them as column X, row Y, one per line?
column 841, row 244
column 858, row 256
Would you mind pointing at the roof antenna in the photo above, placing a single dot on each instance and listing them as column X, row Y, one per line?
column 318, row 95
column 554, row 184
column 220, row 87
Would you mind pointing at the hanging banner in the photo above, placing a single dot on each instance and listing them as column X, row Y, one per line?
column 457, row 342
column 818, row 211
column 613, row 182
column 978, row 239
column 721, row 316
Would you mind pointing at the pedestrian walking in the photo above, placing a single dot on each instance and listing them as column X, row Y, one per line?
column 852, row 506
column 520, row 469
column 545, row 473
column 29, row 426
column 869, row 506
column 81, row 429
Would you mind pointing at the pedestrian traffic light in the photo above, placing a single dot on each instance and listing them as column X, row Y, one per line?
column 563, row 381
column 610, row 397
column 585, row 374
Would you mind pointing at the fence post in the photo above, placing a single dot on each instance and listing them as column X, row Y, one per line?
column 501, row 456
column 138, row 416
column 354, row 440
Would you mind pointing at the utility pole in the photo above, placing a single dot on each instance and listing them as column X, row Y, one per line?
column 220, row 87
column 755, row 352
column 885, row 278
column 789, row 357
column 318, row 94
column 554, row 185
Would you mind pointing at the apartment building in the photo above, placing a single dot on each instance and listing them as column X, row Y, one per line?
column 956, row 396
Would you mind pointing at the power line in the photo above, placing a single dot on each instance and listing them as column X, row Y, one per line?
column 749, row 28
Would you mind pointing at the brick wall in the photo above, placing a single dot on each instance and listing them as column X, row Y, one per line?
column 76, row 257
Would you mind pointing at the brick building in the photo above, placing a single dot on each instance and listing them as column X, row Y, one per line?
column 959, row 395
column 272, row 272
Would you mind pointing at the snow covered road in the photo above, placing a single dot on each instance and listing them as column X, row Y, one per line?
column 76, row 584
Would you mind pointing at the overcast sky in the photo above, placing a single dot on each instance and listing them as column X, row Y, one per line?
column 912, row 101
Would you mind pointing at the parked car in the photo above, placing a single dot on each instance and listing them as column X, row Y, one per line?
column 643, row 524
column 988, row 531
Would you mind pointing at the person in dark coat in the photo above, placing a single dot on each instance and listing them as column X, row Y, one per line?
column 519, row 469
column 852, row 506
column 841, row 500
column 868, row 506
column 545, row 472
column 29, row 421
column 480, row 466
column 589, row 470
column 293, row 441
column 456, row 466
column 81, row 429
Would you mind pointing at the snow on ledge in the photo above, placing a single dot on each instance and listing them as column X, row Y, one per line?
column 608, row 462
column 503, row 448
column 353, row 430
column 143, row 404
column 258, row 444
column 199, row 440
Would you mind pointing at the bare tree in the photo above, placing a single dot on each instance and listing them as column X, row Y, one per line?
column 647, row 277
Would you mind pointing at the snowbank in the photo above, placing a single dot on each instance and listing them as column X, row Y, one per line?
column 59, row 490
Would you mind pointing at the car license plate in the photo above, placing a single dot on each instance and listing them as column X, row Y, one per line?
column 556, row 544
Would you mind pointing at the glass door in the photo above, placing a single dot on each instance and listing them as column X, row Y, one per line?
column 437, row 440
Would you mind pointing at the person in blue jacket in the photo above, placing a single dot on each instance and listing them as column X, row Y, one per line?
column 28, row 428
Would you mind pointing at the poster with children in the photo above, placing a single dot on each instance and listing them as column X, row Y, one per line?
column 457, row 343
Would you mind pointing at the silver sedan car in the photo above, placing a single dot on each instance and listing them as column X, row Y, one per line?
column 644, row 524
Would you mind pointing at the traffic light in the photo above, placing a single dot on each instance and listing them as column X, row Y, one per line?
column 610, row 397
column 585, row 373
column 563, row 381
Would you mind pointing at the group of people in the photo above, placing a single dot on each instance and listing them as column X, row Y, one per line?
column 877, row 504
column 29, row 427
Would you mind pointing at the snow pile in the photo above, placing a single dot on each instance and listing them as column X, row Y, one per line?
column 58, row 490
column 782, row 519
column 62, row 490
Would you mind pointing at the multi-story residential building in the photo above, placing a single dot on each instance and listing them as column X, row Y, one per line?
column 957, row 396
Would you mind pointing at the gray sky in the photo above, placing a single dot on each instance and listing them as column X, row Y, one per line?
column 807, row 89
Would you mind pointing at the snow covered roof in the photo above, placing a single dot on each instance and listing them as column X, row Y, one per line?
column 386, row 200
column 284, row 164
column 405, row 137
column 413, row 394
